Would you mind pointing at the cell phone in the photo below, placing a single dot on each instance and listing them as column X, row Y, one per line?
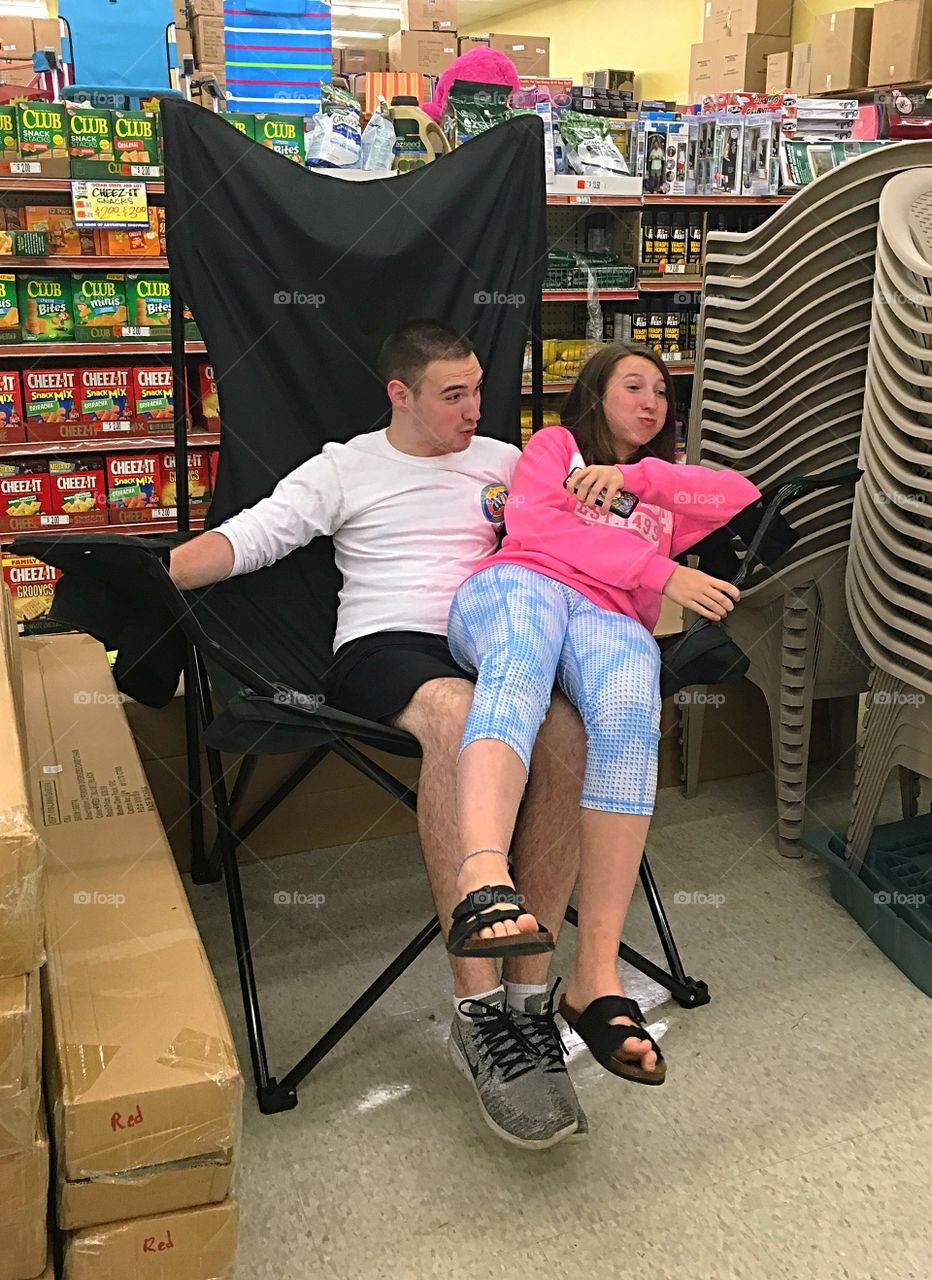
column 621, row 505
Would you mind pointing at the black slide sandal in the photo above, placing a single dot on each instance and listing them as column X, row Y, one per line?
column 606, row 1040
column 470, row 915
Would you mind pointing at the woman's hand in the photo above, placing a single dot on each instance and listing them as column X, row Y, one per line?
column 710, row 597
column 589, row 482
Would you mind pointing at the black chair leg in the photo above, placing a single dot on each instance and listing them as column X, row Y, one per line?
column 199, row 871
column 213, row 869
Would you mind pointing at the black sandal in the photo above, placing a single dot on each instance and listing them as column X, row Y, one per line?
column 471, row 915
column 606, row 1040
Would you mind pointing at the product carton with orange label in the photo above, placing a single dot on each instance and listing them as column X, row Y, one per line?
column 133, row 482
column 78, row 490
column 50, row 405
column 24, row 494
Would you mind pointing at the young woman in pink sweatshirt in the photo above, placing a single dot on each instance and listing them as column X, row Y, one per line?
column 572, row 598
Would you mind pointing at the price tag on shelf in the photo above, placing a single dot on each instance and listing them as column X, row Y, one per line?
column 122, row 427
column 45, row 521
column 109, row 204
column 25, row 166
column 136, row 331
column 164, row 513
column 673, row 357
column 592, row 184
column 674, row 269
column 145, row 171
column 580, row 198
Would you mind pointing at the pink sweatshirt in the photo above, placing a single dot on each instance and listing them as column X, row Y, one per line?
column 621, row 565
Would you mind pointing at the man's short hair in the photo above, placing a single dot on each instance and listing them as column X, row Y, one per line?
column 408, row 351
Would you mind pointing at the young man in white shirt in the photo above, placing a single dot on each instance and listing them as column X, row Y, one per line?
column 411, row 509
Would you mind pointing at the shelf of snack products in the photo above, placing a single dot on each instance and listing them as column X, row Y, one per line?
column 669, row 284
column 65, row 350
column 27, row 184
column 562, row 386
column 638, row 202
column 55, row 262
column 108, row 444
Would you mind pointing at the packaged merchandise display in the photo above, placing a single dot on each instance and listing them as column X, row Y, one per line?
column 24, row 494
column 78, row 491
column 105, row 400
column 334, row 139
column 45, row 305
column 148, row 304
column 589, row 147
column 472, row 108
column 12, row 425
column 11, row 329
column 153, row 397
column 199, row 480
column 31, row 584
column 208, row 398
column 99, row 301
column 133, row 482
column 50, row 404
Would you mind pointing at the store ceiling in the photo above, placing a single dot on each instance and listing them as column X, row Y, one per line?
column 474, row 17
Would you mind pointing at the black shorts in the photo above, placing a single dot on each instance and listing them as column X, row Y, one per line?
column 375, row 676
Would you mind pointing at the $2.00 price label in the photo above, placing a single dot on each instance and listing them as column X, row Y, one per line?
column 109, row 204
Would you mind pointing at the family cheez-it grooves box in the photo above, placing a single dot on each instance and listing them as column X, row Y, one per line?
column 77, row 491
column 24, row 494
column 133, row 482
column 105, row 401
column 12, row 427
column 50, row 404
column 32, row 586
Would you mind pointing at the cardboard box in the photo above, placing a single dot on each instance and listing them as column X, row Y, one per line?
column 127, row 988
column 744, row 61
column 195, row 1244
column 336, row 60
column 31, row 585
column 17, row 38
column 705, row 65
column 801, row 69
column 46, row 34
column 901, row 42
column 209, row 44
column 530, row 54
column 20, row 1062
column 465, row 43
column 105, row 400
column 12, row 426
column 154, row 397
column 205, row 9
column 617, row 81
column 428, row 15
column 427, row 51
column 841, row 45
column 133, row 481
column 359, row 61
column 22, row 857
column 45, row 306
column 208, row 398
column 78, row 490
column 51, row 405
column 24, row 494
column 100, row 306
column 24, row 1184
column 779, row 71
column 148, row 303
column 199, row 488
column 744, row 17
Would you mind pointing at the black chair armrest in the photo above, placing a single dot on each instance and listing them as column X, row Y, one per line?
column 301, row 721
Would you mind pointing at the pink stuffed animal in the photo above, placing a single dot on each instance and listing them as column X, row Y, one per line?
column 486, row 66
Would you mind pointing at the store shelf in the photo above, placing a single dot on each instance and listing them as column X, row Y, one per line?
column 681, row 368
column 105, row 444
column 65, row 350
column 28, row 184
column 86, row 262
column 717, row 201
column 141, row 526
column 584, row 197
column 673, row 284
column 582, row 295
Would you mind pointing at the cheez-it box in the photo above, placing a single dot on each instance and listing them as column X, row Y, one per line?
column 154, row 397
column 105, row 401
column 208, row 396
column 199, row 488
column 133, row 481
column 50, row 405
column 12, row 427
column 24, row 494
column 78, row 490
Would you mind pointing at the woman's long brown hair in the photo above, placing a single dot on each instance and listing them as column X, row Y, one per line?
column 584, row 414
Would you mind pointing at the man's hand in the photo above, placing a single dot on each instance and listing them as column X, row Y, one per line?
column 710, row 597
column 201, row 561
column 589, row 482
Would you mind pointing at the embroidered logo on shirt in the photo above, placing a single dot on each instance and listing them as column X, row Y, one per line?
column 493, row 498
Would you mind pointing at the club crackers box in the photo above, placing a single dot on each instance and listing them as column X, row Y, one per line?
column 136, row 140
column 133, row 482
column 90, row 133
column 11, row 330
column 42, row 130
column 148, row 302
column 99, row 299
column 45, row 306
column 32, row 587
column 12, row 427
column 244, row 121
column 105, row 401
column 9, row 133
column 77, row 490
column 208, row 397
column 153, row 396
column 199, row 483
column 24, row 493
column 50, row 405
column 284, row 134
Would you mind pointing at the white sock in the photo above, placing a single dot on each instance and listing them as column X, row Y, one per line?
column 484, row 995
column 517, row 993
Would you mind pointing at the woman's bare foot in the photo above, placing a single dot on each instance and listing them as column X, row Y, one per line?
column 492, row 868
column 580, row 994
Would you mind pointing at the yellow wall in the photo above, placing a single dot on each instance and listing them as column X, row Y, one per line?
column 651, row 38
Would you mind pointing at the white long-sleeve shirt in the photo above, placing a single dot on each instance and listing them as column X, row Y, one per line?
column 406, row 530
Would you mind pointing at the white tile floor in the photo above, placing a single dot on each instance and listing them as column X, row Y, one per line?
column 793, row 1137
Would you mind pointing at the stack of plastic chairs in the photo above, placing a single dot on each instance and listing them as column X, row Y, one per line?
column 779, row 392
column 889, row 578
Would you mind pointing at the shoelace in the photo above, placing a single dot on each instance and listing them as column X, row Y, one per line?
column 544, row 1035
column 499, row 1039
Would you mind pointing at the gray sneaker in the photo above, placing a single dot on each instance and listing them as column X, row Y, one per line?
column 538, row 1026
column 514, row 1092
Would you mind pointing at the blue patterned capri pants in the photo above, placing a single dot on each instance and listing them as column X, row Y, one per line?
column 520, row 633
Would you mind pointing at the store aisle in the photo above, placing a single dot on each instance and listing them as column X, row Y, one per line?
column 793, row 1135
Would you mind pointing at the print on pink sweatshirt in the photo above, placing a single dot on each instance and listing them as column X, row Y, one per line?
column 621, row 565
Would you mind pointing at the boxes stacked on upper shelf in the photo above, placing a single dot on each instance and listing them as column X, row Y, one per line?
column 427, row 38
column 841, row 44
column 141, row 1076
column 206, row 27
column 901, row 43
column 737, row 39
column 24, row 1151
column 19, row 39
